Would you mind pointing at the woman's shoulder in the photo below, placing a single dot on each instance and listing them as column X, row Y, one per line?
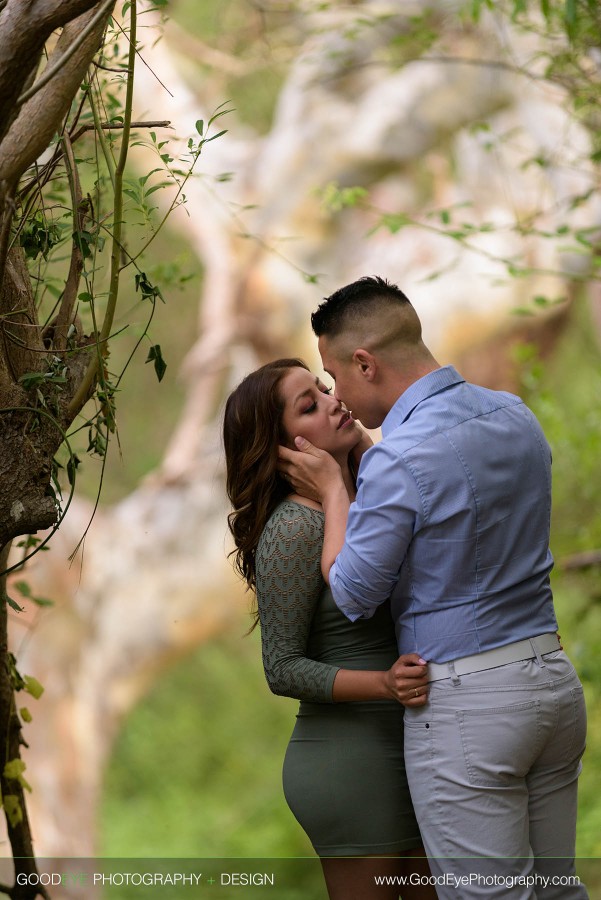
column 293, row 518
column 290, row 543
column 295, row 500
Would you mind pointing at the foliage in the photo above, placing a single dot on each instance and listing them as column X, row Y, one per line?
column 219, row 793
column 570, row 56
column 66, row 245
column 562, row 53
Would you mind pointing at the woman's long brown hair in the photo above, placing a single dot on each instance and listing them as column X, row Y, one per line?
column 252, row 431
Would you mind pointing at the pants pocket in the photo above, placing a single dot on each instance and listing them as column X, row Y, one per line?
column 499, row 743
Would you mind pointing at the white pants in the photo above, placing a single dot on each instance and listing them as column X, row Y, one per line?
column 493, row 761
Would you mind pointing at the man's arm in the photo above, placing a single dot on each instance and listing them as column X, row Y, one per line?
column 364, row 549
column 381, row 524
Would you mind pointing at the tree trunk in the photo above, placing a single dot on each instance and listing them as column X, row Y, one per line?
column 13, row 795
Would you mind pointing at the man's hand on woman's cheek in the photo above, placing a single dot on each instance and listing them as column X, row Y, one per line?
column 309, row 470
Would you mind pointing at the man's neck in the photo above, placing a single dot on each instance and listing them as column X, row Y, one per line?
column 400, row 381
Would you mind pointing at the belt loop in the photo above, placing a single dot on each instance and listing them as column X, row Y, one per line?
column 536, row 653
column 454, row 676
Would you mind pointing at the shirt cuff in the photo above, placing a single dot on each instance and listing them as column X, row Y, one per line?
column 345, row 603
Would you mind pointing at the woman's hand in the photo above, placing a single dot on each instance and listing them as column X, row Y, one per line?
column 407, row 680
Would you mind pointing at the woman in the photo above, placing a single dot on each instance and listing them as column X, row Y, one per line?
column 344, row 776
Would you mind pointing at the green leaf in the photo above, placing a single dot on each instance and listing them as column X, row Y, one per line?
column 25, row 714
column 13, row 604
column 519, row 6
column 215, row 136
column 42, row 601
column 157, row 187
column 30, row 379
column 13, row 771
column 395, row 221
column 145, row 178
column 72, row 466
column 12, row 807
column 570, row 15
column 477, row 6
column 155, row 355
column 147, row 289
column 29, row 541
column 33, row 686
column 570, row 11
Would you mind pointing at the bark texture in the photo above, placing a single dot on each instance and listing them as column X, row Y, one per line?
column 34, row 400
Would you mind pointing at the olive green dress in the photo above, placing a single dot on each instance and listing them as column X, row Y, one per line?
column 344, row 774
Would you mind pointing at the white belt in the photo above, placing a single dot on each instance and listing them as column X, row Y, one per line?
column 490, row 659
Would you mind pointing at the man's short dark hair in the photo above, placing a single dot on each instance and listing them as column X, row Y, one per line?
column 353, row 301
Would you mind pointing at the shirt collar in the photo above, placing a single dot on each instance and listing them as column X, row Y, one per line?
column 430, row 384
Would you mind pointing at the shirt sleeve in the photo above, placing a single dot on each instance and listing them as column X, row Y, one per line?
column 381, row 524
column 289, row 584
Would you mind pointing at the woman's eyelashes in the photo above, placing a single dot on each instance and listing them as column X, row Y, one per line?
column 313, row 406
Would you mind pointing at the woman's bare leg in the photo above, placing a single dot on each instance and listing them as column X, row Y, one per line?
column 354, row 878
column 415, row 862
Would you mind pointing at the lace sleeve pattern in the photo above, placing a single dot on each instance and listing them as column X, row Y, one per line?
column 289, row 584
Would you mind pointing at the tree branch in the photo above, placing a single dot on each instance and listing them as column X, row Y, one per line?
column 91, row 374
column 52, row 70
column 65, row 313
column 48, row 107
column 24, row 29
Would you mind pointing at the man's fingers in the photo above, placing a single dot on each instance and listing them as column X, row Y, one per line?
column 305, row 446
column 297, row 456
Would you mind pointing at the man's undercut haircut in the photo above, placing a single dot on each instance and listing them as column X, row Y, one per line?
column 373, row 314
column 353, row 304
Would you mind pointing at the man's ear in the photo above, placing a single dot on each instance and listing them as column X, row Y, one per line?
column 366, row 363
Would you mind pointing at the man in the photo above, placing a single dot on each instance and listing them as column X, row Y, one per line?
column 451, row 520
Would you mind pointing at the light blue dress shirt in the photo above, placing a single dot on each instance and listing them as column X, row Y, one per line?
column 452, row 522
